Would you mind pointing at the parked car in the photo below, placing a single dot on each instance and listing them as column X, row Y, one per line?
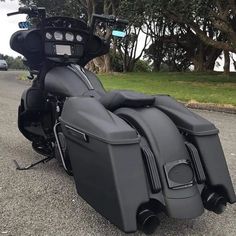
column 3, row 65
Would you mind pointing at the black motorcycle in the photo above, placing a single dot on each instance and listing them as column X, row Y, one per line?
column 132, row 155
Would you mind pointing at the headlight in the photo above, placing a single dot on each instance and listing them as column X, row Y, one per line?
column 48, row 35
column 58, row 35
column 69, row 36
column 79, row 38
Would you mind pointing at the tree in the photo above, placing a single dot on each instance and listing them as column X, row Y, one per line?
column 14, row 63
column 57, row 7
column 221, row 14
column 165, row 30
column 218, row 14
column 202, row 56
column 157, row 28
column 132, row 10
column 102, row 64
column 200, row 29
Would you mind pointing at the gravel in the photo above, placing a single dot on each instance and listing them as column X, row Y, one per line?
column 43, row 201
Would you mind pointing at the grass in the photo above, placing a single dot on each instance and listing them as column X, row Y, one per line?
column 23, row 76
column 187, row 87
column 190, row 87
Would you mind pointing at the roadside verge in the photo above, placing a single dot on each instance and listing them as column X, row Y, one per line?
column 212, row 107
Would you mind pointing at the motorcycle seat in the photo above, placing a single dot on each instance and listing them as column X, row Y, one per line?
column 123, row 98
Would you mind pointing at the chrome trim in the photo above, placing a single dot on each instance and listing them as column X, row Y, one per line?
column 81, row 73
column 59, row 146
column 79, row 132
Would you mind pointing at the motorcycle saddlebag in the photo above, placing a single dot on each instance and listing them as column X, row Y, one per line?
column 106, row 161
column 204, row 135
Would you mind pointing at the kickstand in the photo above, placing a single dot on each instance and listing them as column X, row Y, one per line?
column 32, row 165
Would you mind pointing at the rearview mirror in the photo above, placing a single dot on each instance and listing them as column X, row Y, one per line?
column 119, row 33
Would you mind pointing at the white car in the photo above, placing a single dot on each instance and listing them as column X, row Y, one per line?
column 3, row 65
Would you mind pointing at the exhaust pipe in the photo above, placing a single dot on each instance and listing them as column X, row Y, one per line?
column 147, row 221
column 213, row 201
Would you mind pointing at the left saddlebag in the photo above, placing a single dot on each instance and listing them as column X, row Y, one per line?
column 106, row 161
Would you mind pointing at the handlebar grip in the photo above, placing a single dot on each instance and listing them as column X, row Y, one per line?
column 13, row 13
column 21, row 10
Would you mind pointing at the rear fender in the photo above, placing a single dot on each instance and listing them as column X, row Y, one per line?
column 179, row 191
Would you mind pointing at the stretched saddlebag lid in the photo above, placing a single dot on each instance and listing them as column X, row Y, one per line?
column 185, row 119
column 87, row 115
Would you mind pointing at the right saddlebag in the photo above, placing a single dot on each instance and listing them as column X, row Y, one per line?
column 204, row 135
column 106, row 160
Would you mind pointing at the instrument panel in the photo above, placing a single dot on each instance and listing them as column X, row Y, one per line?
column 59, row 39
column 65, row 42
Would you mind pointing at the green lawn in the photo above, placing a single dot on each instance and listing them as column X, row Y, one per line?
column 199, row 87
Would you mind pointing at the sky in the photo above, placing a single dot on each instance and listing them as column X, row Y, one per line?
column 9, row 25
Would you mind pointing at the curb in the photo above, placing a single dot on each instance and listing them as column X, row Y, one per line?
column 211, row 107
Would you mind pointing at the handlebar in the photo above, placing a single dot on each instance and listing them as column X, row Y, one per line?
column 13, row 13
column 122, row 21
column 26, row 10
column 40, row 12
column 32, row 11
column 110, row 19
column 21, row 10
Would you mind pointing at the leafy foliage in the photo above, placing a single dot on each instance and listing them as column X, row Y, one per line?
column 57, row 7
column 142, row 66
column 200, row 29
column 218, row 14
column 14, row 63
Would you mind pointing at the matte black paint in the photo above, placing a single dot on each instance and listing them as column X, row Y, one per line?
column 132, row 155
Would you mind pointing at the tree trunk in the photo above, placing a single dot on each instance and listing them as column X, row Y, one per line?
column 99, row 63
column 125, row 63
column 199, row 59
column 132, row 65
column 157, row 65
column 107, row 61
column 204, row 62
column 199, row 65
column 103, row 64
column 211, row 56
column 92, row 67
column 227, row 62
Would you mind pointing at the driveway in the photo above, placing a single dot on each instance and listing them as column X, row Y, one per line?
column 43, row 201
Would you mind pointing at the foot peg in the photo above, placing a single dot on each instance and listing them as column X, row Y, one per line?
column 31, row 165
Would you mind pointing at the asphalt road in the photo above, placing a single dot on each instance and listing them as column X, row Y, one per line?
column 43, row 201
